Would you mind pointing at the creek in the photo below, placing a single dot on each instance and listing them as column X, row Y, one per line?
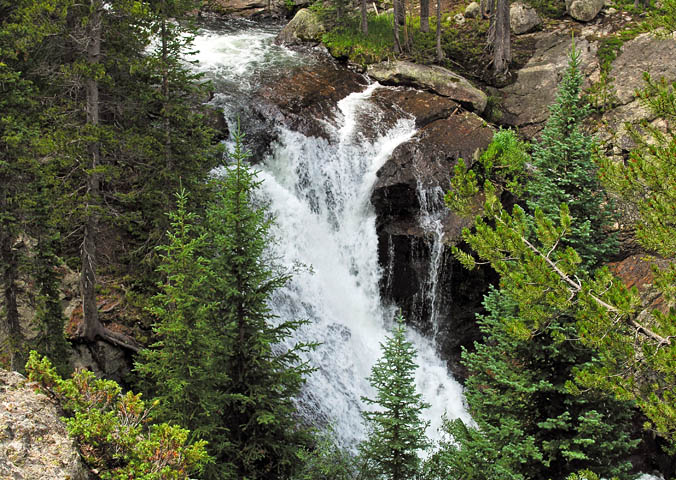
column 318, row 189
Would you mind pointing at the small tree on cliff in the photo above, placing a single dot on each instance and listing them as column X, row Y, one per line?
column 565, row 173
column 396, row 431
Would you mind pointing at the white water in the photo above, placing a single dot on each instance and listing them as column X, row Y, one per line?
column 319, row 191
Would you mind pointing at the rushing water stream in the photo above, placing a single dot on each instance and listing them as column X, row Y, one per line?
column 319, row 191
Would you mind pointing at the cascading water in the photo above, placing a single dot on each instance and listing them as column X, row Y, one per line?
column 430, row 219
column 319, row 190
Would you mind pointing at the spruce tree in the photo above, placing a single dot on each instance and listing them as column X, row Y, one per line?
column 180, row 370
column 259, row 411
column 396, row 433
column 532, row 423
column 219, row 367
column 565, row 173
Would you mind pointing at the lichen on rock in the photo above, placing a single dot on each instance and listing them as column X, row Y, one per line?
column 34, row 443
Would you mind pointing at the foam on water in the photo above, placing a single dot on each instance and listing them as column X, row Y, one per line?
column 319, row 192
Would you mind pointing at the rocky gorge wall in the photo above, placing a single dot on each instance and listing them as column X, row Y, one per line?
column 414, row 229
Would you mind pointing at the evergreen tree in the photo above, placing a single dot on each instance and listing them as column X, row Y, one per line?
column 396, row 433
column 565, row 173
column 531, row 422
column 181, row 369
column 530, row 426
column 28, row 233
column 265, row 435
column 219, row 366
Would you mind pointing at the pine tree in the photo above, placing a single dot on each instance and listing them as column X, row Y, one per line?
column 530, row 425
column 532, row 422
column 26, row 190
column 565, row 173
column 396, row 433
column 219, row 367
column 265, row 435
column 180, row 370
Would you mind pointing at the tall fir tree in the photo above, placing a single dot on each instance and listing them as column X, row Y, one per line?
column 265, row 434
column 181, row 369
column 531, row 422
column 396, row 431
column 219, row 364
column 530, row 425
column 565, row 173
column 28, row 233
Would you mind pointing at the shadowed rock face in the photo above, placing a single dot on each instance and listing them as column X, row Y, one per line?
column 419, row 172
column 34, row 443
column 304, row 100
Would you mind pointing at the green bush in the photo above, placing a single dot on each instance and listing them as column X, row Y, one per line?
column 113, row 428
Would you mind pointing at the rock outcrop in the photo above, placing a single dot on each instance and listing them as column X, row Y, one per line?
column 306, row 99
column 525, row 103
column 304, row 27
column 523, row 18
column 255, row 8
column 473, row 10
column 415, row 230
column 433, row 78
column 646, row 53
column 584, row 10
column 34, row 444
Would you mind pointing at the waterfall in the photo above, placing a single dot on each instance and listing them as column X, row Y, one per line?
column 318, row 190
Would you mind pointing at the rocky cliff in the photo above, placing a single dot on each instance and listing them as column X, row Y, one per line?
column 414, row 228
column 34, row 444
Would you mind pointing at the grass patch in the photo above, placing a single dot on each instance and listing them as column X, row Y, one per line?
column 348, row 42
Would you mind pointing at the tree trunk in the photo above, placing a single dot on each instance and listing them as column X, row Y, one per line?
column 395, row 29
column 12, row 326
column 364, row 19
column 425, row 15
column 407, row 39
column 641, row 3
column 499, row 37
column 164, row 34
column 440, row 52
column 486, row 7
column 91, row 324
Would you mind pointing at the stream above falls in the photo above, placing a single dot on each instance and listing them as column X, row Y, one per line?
column 319, row 188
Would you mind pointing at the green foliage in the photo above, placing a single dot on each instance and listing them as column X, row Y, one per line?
column 528, row 424
column 631, row 364
column 265, row 435
column 565, row 173
column 325, row 460
column 532, row 421
column 549, row 8
column 182, row 368
column 396, row 433
column 502, row 164
column 664, row 17
column 347, row 41
column 216, row 364
column 26, row 191
column 113, row 428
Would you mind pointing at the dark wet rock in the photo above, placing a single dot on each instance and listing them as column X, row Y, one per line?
column 426, row 107
column 215, row 119
column 306, row 100
column 419, row 173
